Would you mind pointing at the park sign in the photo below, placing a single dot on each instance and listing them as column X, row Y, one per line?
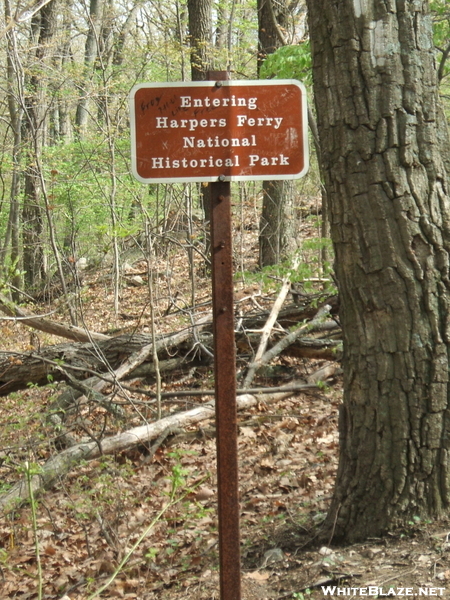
column 220, row 131
column 211, row 130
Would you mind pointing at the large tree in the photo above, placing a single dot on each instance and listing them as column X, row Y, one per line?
column 384, row 145
column 14, row 83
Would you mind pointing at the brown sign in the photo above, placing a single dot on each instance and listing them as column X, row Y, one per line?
column 232, row 130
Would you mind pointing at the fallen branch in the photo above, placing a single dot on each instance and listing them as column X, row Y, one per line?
column 292, row 314
column 286, row 286
column 96, row 385
column 324, row 373
column 60, row 465
column 264, row 358
column 294, row 335
column 17, row 370
column 77, row 334
column 160, row 440
column 291, row 387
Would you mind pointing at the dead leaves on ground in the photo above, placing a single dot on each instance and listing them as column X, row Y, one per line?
column 88, row 522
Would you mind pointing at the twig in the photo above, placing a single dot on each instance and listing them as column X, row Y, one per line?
column 285, row 342
column 152, row 319
column 295, row 387
column 333, row 529
column 35, row 527
column 103, row 524
column 154, row 447
column 397, row 576
column 255, row 365
column 94, row 394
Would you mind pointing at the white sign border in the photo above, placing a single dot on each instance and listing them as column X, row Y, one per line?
column 223, row 83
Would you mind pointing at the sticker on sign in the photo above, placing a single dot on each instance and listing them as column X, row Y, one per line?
column 232, row 130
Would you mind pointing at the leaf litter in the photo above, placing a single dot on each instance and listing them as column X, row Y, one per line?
column 288, row 451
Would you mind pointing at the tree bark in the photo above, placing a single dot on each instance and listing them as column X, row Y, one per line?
column 200, row 31
column 378, row 117
column 276, row 227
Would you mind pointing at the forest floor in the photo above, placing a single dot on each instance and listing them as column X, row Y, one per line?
column 86, row 525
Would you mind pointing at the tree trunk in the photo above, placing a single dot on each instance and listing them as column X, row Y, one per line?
column 276, row 233
column 63, row 129
column 90, row 53
column 200, row 31
column 276, row 225
column 120, row 38
column 34, row 134
column 221, row 35
column 376, row 99
column 14, row 85
column 33, row 254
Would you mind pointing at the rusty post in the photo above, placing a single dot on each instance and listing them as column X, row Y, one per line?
column 225, row 384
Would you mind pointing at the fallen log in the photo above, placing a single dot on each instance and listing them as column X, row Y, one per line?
column 318, row 349
column 59, row 465
column 305, row 347
column 17, row 370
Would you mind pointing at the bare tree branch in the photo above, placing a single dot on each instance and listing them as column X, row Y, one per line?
column 59, row 465
column 25, row 15
column 71, row 332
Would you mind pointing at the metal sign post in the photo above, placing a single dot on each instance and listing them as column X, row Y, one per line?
column 225, row 387
column 225, row 384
